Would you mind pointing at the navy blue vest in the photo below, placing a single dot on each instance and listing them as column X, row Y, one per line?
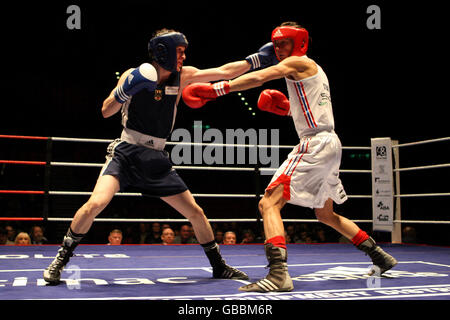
column 153, row 113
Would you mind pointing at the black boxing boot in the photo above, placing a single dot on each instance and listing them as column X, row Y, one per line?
column 382, row 261
column 278, row 278
column 53, row 272
column 220, row 269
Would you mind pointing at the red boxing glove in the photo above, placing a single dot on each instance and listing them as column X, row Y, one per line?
column 274, row 101
column 197, row 94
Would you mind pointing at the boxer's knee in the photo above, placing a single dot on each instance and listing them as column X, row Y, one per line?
column 197, row 212
column 93, row 207
column 272, row 199
column 326, row 214
column 194, row 212
column 325, row 218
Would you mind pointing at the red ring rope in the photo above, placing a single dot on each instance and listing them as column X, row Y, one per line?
column 20, row 219
column 40, row 163
column 23, row 137
column 21, row 192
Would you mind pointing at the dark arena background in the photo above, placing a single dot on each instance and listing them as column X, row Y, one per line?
column 385, row 82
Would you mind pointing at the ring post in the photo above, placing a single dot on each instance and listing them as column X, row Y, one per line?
column 396, row 235
column 257, row 196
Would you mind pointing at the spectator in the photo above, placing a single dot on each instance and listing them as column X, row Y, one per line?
column 11, row 235
column 305, row 237
column 319, row 235
column 143, row 232
column 130, row 235
column 248, row 237
column 115, row 237
column 37, row 235
column 3, row 236
column 214, row 227
column 409, row 235
column 167, row 236
column 22, row 239
column 194, row 239
column 185, row 236
column 155, row 235
column 164, row 226
column 219, row 236
column 290, row 231
column 229, row 237
column 287, row 237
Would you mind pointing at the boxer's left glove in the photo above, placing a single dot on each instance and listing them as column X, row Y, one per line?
column 196, row 95
column 144, row 77
column 274, row 101
column 265, row 57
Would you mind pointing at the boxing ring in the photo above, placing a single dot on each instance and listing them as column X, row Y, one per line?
column 328, row 271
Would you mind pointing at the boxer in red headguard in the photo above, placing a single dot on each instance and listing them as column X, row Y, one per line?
column 309, row 177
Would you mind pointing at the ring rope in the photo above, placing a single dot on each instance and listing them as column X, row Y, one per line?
column 420, row 142
column 88, row 164
column 134, row 194
column 21, row 219
column 412, row 195
column 206, row 195
column 22, row 192
column 23, row 137
column 40, row 163
column 242, row 220
column 186, row 220
column 434, row 166
column 211, row 220
column 66, row 139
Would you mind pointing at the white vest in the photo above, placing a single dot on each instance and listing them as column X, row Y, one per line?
column 310, row 104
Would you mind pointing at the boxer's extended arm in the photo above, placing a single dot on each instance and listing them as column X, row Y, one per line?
column 227, row 71
column 110, row 105
column 292, row 67
column 197, row 94
column 258, row 78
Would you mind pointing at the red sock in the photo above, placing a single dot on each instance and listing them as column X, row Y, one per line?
column 278, row 241
column 360, row 237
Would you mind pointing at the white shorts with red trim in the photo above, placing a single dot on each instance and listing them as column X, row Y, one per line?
column 310, row 174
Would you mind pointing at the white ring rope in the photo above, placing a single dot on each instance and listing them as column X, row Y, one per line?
column 199, row 195
column 186, row 220
column 86, row 164
column 240, row 220
column 420, row 142
column 434, row 166
column 197, row 143
column 413, row 195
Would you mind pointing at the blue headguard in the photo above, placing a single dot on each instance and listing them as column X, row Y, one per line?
column 163, row 49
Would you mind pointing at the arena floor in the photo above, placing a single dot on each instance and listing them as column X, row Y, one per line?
column 157, row 272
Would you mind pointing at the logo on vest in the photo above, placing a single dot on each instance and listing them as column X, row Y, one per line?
column 158, row 94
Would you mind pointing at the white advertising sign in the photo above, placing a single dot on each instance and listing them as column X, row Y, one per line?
column 382, row 185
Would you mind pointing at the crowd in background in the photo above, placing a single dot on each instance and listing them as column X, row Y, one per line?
column 166, row 234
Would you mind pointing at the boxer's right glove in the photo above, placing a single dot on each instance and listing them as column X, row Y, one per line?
column 274, row 101
column 265, row 57
column 144, row 77
column 196, row 95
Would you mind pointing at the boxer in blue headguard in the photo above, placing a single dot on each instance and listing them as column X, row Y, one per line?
column 163, row 49
column 148, row 97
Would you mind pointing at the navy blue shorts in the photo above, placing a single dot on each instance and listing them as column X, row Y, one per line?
column 140, row 169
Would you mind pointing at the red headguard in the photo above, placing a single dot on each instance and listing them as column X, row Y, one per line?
column 298, row 35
